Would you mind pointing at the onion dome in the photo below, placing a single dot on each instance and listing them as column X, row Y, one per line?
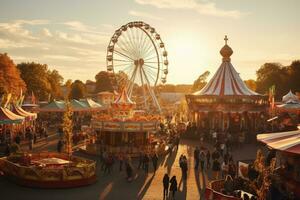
column 226, row 50
column 226, row 81
column 290, row 98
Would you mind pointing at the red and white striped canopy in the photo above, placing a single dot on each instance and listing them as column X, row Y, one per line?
column 283, row 141
column 226, row 80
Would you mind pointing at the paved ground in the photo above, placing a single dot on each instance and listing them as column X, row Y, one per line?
column 115, row 186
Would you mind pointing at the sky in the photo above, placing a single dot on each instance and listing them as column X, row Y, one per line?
column 72, row 36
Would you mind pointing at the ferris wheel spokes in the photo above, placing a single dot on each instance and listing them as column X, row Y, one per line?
column 137, row 51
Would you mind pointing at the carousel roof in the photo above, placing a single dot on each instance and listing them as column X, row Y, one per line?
column 283, row 141
column 28, row 115
column 123, row 98
column 226, row 81
column 8, row 117
column 290, row 98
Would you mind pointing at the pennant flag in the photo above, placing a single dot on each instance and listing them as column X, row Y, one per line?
column 8, row 97
column 33, row 99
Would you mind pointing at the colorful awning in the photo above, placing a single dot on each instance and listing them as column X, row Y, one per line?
column 91, row 104
column 282, row 141
column 59, row 106
column 19, row 111
column 8, row 117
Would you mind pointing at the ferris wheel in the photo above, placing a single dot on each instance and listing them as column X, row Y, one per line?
column 137, row 51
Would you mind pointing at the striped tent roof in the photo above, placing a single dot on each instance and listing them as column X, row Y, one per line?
column 283, row 141
column 226, row 81
column 8, row 117
column 91, row 104
column 28, row 115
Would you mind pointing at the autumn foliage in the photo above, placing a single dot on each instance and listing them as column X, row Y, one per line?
column 10, row 80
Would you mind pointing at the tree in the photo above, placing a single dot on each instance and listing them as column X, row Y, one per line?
column 10, row 79
column 200, row 82
column 78, row 90
column 67, row 125
column 55, row 80
column 103, row 82
column 294, row 75
column 40, row 80
column 272, row 74
column 251, row 84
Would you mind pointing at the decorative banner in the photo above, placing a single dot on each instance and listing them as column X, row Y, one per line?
column 132, row 127
column 112, row 126
column 243, row 170
column 149, row 126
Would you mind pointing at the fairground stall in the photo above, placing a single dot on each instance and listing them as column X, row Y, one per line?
column 123, row 129
column 226, row 103
column 82, row 112
column 288, row 111
column 287, row 147
column 9, row 123
column 28, row 116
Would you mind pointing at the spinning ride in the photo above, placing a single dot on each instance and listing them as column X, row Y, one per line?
column 123, row 129
column 137, row 51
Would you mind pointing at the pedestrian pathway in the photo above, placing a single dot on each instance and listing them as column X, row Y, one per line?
column 189, row 189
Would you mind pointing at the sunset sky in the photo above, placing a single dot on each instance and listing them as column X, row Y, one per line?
column 72, row 35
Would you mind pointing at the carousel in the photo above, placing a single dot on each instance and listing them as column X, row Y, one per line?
column 226, row 103
column 123, row 129
column 48, row 170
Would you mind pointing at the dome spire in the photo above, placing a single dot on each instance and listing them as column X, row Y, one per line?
column 226, row 51
column 226, row 39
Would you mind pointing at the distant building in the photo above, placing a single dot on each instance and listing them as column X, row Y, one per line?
column 171, row 97
column 106, row 98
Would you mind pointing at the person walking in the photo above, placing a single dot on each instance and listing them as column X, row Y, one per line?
column 202, row 160
column 30, row 138
column 128, row 170
column 166, row 181
column 59, row 146
column 121, row 160
column 173, row 186
column 146, row 163
column 196, row 157
column 184, row 168
column 154, row 161
column 208, row 159
column 141, row 160
column 216, row 169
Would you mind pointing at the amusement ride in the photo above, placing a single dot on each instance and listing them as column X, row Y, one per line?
column 137, row 50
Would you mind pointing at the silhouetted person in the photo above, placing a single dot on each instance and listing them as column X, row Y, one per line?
column 173, row 186
column 196, row 157
column 154, row 161
column 166, row 180
column 59, row 146
column 146, row 163
column 208, row 159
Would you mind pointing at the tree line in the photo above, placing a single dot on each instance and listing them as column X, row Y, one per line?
column 46, row 84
